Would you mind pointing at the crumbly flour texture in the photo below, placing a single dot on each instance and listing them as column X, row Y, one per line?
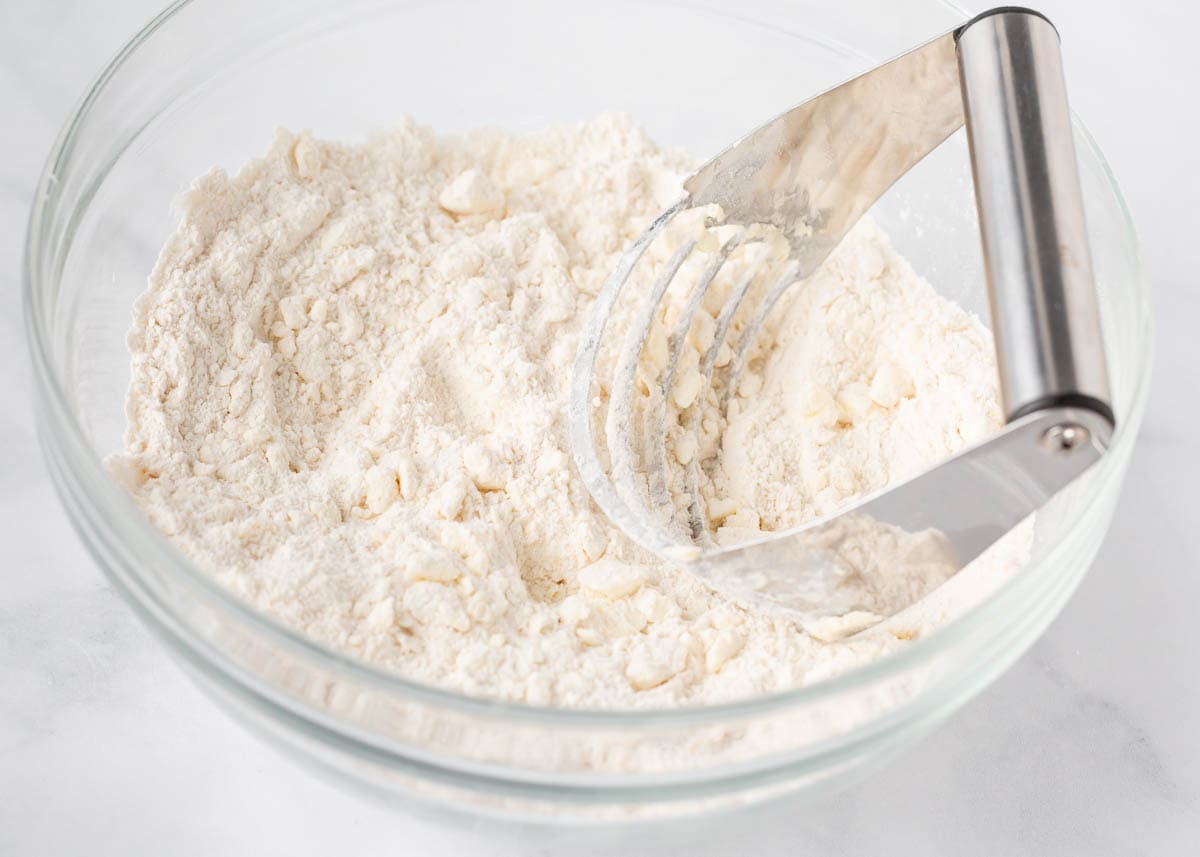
column 349, row 383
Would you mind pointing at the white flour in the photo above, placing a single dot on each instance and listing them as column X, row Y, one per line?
column 349, row 389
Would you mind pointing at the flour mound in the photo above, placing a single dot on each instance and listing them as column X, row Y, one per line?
column 348, row 402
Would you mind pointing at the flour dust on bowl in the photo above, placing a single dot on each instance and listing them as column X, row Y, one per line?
column 335, row 477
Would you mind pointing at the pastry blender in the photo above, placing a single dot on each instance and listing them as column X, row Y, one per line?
column 803, row 180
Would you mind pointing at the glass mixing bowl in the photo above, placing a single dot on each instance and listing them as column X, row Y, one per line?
column 208, row 81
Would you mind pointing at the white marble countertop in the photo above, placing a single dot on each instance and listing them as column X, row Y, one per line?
column 1089, row 745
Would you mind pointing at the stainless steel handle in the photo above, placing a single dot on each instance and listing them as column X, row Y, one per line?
column 1043, row 299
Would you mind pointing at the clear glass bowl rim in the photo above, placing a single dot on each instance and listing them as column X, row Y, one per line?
column 127, row 523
